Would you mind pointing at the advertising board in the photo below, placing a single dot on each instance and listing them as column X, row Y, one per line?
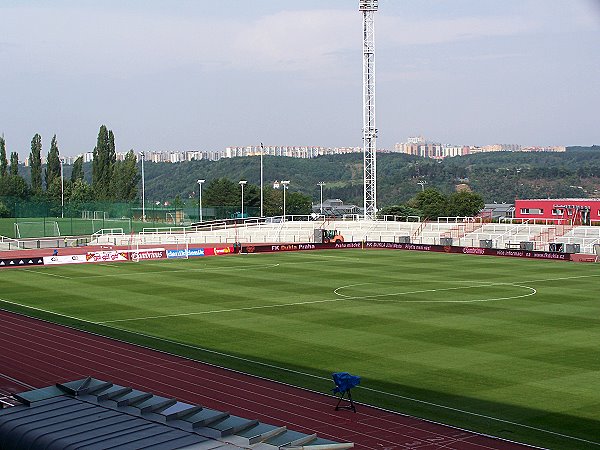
column 472, row 250
column 68, row 259
column 106, row 256
column 146, row 254
column 183, row 253
column 411, row 247
column 21, row 262
column 218, row 251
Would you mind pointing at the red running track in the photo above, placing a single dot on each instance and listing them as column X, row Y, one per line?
column 35, row 353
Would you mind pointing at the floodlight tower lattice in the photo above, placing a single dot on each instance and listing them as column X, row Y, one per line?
column 368, row 8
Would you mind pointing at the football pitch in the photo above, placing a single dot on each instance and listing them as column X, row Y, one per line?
column 507, row 347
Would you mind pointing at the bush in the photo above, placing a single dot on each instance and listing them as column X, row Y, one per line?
column 4, row 211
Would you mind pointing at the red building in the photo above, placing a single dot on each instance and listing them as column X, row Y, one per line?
column 577, row 211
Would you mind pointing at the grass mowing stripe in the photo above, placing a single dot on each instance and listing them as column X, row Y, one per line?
column 304, row 374
column 344, row 298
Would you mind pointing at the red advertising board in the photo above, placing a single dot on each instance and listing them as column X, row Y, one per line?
column 146, row 254
column 411, row 247
column 209, row 251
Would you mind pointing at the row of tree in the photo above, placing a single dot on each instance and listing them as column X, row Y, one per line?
column 431, row 204
column 11, row 183
column 112, row 180
column 224, row 192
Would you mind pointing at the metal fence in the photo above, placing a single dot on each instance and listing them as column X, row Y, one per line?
column 42, row 218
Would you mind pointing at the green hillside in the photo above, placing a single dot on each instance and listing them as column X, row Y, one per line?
column 498, row 177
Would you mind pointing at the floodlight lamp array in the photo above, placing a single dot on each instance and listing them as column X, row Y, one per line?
column 367, row 5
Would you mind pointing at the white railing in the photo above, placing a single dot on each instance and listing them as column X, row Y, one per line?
column 276, row 230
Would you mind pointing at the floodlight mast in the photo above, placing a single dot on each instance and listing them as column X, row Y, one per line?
column 368, row 8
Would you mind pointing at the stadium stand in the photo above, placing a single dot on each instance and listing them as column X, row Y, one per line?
column 96, row 414
column 295, row 229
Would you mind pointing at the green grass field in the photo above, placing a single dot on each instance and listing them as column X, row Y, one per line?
column 497, row 345
column 45, row 227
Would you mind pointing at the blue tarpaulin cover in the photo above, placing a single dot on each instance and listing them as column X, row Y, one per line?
column 344, row 382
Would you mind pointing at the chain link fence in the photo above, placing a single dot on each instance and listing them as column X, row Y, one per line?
column 41, row 218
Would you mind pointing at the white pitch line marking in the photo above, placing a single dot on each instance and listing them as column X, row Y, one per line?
column 376, row 297
column 166, row 272
column 47, row 274
column 219, row 311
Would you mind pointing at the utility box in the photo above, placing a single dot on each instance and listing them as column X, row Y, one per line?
column 556, row 247
column 526, row 245
column 485, row 243
column 572, row 248
column 446, row 241
column 318, row 236
column 403, row 239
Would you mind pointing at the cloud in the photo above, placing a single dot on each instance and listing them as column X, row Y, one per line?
column 84, row 41
column 299, row 40
column 397, row 31
column 121, row 43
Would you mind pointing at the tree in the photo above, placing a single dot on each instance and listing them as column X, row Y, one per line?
column 126, row 178
column 272, row 202
column 252, row 195
column 432, row 203
column 297, row 203
column 14, row 163
column 14, row 186
column 221, row 192
column 80, row 193
column 3, row 161
column 53, row 163
column 103, row 164
column 54, row 190
column 465, row 204
column 4, row 211
column 399, row 210
column 77, row 173
column 35, row 162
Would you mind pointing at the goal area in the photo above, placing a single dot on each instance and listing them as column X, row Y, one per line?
column 94, row 215
column 46, row 228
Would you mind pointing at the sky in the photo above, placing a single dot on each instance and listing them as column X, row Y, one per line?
column 204, row 75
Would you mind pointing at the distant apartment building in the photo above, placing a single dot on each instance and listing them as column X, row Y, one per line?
column 288, row 150
column 559, row 148
column 429, row 149
column 248, row 150
column 419, row 146
column 178, row 156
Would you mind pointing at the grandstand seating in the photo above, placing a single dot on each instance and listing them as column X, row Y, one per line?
column 502, row 235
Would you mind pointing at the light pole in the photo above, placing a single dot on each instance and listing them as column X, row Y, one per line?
column 143, row 190
column 242, row 183
column 62, row 190
column 422, row 183
column 321, row 184
column 200, row 199
column 285, row 184
column 262, row 150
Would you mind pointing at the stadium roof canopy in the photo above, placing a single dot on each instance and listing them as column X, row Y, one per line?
column 96, row 414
